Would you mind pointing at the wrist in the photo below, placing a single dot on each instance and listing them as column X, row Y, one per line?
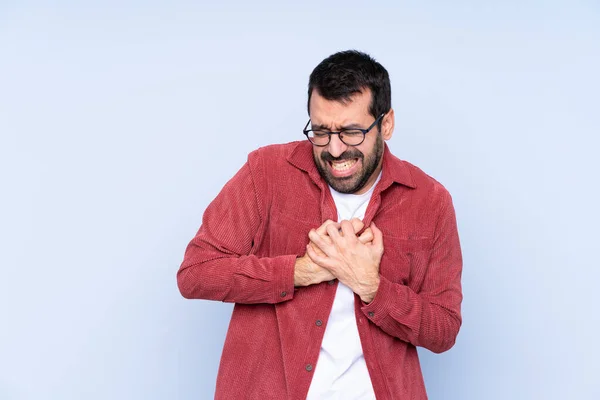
column 371, row 291
column 300, row 272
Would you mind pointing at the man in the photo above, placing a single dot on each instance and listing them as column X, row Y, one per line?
column 340, row 257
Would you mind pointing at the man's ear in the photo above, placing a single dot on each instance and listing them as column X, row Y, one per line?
column 387, row 125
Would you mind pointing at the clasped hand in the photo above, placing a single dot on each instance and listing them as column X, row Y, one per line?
column 335, row 251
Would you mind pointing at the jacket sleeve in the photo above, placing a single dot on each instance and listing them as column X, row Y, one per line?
column 432, row 317
column 219, row 263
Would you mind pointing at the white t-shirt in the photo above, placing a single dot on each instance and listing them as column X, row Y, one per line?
column 341, row 372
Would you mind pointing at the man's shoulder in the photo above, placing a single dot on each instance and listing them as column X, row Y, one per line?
column 277, row 151
column 425, row 184
column 278, row 155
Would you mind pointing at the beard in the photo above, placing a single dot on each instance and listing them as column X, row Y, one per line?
column 353, row 183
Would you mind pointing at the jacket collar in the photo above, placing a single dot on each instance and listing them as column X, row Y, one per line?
column 394, row 169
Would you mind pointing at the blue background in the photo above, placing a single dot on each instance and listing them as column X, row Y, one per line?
column 120, row 122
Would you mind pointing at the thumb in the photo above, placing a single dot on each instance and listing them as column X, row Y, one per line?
column 377, row 237
column 357, row 224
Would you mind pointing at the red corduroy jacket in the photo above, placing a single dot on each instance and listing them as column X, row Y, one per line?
column 245, row 251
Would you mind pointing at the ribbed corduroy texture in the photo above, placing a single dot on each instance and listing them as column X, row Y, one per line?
column 245, row 251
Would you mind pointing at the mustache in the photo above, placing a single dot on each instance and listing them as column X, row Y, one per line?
column 349, row 154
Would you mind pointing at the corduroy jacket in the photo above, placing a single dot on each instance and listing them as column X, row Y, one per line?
column 245, row 250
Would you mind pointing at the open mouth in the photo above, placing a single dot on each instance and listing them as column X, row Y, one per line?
column 344, row 167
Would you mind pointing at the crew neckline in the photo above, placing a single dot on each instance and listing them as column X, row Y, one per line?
column 365, row 194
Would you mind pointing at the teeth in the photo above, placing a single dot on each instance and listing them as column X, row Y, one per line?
column 344, row 165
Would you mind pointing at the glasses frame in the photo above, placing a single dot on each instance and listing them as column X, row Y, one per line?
column 340, row 133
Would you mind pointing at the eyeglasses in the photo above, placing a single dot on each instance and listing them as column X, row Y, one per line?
column 350, row 137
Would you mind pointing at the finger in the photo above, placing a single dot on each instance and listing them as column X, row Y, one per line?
column 357, row 224
column 377, row 237
column 318, row 240
column 316, row 248
column 325, row 237
column 333, row 232
column 366, row 236
column 322, row 230
column 312, row 254
column 347, row 229
column 321, row 261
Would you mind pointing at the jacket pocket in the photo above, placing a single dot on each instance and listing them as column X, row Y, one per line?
column 404, row 260
column 288, row 235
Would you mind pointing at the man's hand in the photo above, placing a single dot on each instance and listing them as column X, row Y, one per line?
column 306, row 272
column 357, row 226
column 345, row 256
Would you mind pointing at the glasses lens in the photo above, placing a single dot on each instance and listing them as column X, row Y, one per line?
column 318, row 137
column 352, row 137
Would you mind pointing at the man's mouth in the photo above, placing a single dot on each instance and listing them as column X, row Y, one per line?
column 344, row 167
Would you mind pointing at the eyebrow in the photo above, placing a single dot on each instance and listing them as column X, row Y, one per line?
column 345, row 127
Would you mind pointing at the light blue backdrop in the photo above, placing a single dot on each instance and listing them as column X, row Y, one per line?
column 120, row 121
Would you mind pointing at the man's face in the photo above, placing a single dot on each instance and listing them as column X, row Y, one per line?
column 347, row 169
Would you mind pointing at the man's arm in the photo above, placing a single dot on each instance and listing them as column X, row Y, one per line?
column 430, row 318
column 219, row 263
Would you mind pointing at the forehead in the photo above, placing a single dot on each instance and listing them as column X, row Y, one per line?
column 323, row 111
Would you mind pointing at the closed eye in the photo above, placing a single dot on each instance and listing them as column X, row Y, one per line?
column 320, row 133
column 351, row 132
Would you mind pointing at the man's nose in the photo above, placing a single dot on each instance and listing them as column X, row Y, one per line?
column 336, row 146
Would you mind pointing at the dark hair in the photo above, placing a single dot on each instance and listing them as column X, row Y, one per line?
column 343, row 74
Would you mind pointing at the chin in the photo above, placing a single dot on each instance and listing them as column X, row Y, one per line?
column 344, row 185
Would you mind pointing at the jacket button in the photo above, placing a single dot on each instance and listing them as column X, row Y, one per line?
column 308, row 367
column 371, row 314
column 283, row 294
column 319, row 322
